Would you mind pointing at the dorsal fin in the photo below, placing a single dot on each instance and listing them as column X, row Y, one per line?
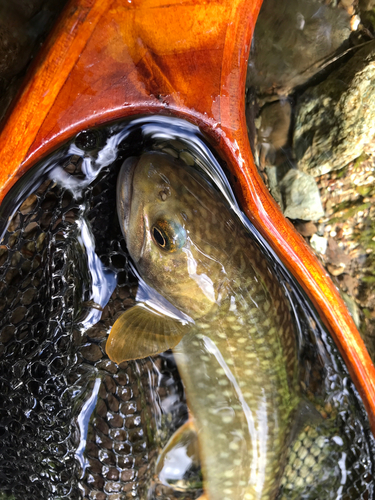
column 142, row 331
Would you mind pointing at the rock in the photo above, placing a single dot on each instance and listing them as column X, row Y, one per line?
column 353, row 308
column 273, row 131
column 301, row 197
column 291, row 39
column 318, row 243
column 346, row 3
column 306, row 229
column 272, row 178
column 336, row 270
column 349, row 283
column 336, row 257
column 366, row 4
column 23, row 25
column 14, row 42
column 334, row 120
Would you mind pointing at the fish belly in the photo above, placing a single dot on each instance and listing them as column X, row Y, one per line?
column 241, row 401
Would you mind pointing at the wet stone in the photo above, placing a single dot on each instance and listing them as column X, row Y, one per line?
column 291, row 39
column 367, row 4
column 319, row 244
column 306, row 229
column 273, row 131
column 334, row 119
column 301, row 198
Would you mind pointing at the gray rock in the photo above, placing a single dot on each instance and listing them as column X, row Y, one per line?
column 335, row 119
column 301, row 196
column 273, row 185
column 291, row 39
column 353, row 308
column 273, row 130
column 318, row 243
column 366, row 4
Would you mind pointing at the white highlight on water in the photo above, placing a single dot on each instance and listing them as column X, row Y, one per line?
column 150, row 297
column 202, row 280
column 83, row 424
column 103, row 282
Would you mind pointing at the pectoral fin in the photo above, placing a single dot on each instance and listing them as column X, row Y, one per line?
column 140, row 332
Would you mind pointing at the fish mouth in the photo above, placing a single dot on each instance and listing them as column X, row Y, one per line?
column 125, row 192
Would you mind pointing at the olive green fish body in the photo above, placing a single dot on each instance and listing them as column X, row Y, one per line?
column 239, row 371
column 237, row 357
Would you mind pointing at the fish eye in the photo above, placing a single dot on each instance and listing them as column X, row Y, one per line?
column 158, row 237
column 168, row 235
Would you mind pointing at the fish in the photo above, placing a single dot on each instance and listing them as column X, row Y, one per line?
column 229, row 325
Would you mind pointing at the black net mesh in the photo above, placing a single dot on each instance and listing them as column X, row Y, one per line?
column 49, row 369
column 37, row 291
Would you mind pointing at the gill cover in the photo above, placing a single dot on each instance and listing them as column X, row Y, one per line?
column 176, row 229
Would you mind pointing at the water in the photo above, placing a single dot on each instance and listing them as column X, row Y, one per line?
column 65, row 278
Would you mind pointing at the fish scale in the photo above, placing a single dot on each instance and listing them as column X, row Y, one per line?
column 246, row 345
column 238, row 357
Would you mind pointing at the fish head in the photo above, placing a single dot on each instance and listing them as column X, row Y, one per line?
column 176, row 226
